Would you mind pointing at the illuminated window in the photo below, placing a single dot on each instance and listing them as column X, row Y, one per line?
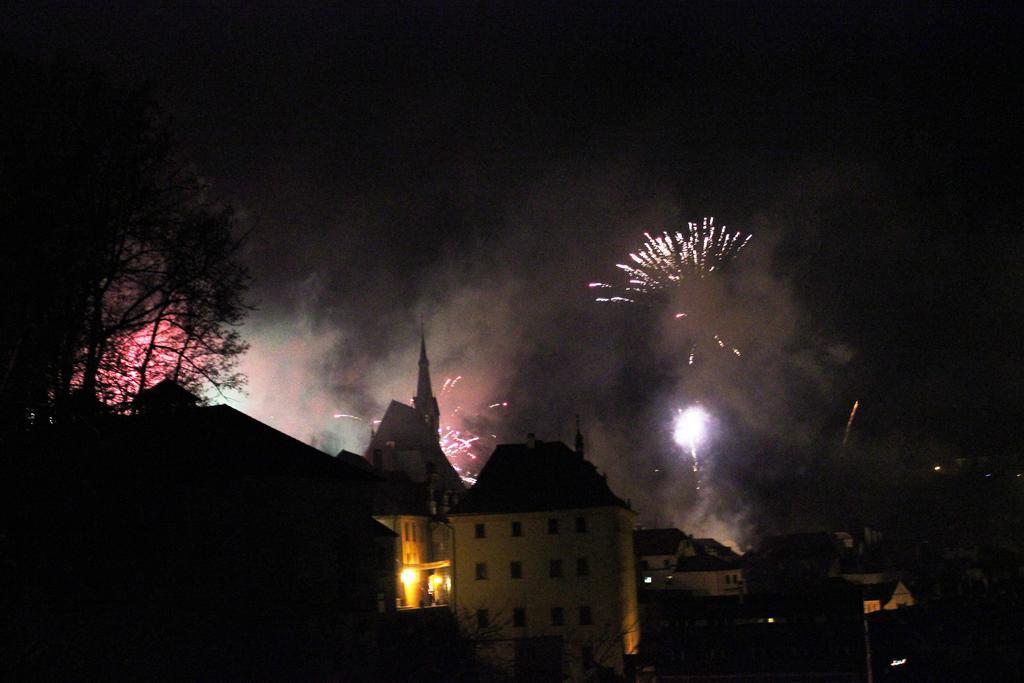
column 555, row 569
column 517, row 528
column 648, row 579
column 515, row 569
column 483, row 620
column 557, row 616
column 481, row 571
column 582, row 567
column 479, row 531
column 519, row 617
column 581, row 525
column 585, row 617
column 553, row 526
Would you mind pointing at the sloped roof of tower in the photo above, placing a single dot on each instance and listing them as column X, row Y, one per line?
column 405, row 426
column 423, row 389
column 548, row 476
column 404, row 431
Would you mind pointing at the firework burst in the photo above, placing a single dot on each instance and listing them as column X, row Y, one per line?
column 689, row 429
column 669, row 261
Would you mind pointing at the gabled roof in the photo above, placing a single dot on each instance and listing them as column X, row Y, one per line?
column 713, row 547
column 221, row 440
column 657, row 541
column 705, row 563
column 167, row 396
column 354, row 459
column 548, row 476
column 881, row 591
column 403, row 425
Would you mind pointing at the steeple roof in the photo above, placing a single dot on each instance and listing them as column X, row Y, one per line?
column 424, row 401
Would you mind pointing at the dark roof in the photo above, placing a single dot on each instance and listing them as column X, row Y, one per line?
column 410, row 443
column 880, row 591
column 549, row 476
column 220, row 439
column 800, row 545
column 657, row 541
column 713, row 547
column 404, row 425
column 354, row 459
column 167, row 395
column 705, row 563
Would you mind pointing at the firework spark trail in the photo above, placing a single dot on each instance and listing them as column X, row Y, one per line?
column 849, row 423
column 689, row 429
column 461, row 445
column 668, row 261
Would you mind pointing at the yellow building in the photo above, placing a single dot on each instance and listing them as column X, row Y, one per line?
column 544, row 571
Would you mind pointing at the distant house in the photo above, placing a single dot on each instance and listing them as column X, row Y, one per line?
column 657, row 552
column 190, row 542
column 668, row 559
column 708, row 575
column 887, row 596
column 544, row 566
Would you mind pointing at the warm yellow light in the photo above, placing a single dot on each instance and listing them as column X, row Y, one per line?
column 436, row 579
column 408, row 576
column 937, row 468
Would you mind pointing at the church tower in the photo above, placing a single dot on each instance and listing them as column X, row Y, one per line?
column 424, row 401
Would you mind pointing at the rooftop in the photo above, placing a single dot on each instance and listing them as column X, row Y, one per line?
column 544, row 476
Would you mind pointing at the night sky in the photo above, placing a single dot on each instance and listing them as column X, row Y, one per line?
column 476, row 165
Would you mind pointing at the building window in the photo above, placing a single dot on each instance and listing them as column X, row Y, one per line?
column 553, row 526
column 519, row 617
column 582, row 567
column 479, row 531
column 517, row 528
column 481, row 571
column 483, row 620
column 405, row 531
column 581, row 525
column 667, row 563
column 728, row 578
column 557, row 616
column 515, row 569
column 643, row 564
column 585, row 617
column 555, row 569
column 648, row 579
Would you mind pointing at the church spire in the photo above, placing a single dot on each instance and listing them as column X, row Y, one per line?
column 424, row 400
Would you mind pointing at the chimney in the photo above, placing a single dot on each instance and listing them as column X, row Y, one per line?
column 531, row 441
